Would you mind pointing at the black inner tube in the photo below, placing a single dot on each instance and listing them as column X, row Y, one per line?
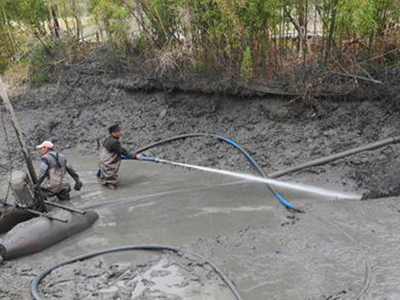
column 35, row 282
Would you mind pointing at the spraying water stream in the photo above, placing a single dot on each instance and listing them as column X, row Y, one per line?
column 287, row 185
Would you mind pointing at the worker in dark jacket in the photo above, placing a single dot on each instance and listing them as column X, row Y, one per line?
column 110, row 155
column 53, row 169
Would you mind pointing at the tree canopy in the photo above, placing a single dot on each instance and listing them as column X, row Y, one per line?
column 244, row 36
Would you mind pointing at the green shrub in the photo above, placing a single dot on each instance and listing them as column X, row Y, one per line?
column 247, row 37
column 41, row 64
column 246, row 70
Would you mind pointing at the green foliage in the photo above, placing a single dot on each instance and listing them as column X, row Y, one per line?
column 29, row 12
column 358, row 16
column 246, row 70
column 243, row 36
column 201, row 67
column 4, row 49
column 41, row 66
column 3, row 64
column 114, row 18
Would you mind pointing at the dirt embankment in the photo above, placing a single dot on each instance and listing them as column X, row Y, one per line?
column 279, row 132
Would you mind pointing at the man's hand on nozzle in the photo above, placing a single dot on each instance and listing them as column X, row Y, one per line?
column 138, row 157
column 78, row 185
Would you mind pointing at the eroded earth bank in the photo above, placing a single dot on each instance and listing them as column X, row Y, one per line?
column 337, row 249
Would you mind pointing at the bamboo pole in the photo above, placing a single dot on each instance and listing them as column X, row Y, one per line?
column 20, row 138
column 71, row 209
column 36, row 213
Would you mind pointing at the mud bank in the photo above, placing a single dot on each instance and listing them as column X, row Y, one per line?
column 278, row 132
column 337, row 250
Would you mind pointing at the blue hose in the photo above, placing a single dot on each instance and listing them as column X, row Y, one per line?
column 286, row 203
column 280, row 198
column 234, row 144
column 142, row 158
column 149, row 158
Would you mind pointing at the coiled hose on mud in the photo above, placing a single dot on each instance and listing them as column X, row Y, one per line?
column 280, row 198
column 35, row 283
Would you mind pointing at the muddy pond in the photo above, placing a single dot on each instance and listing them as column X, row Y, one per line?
column 337, row 249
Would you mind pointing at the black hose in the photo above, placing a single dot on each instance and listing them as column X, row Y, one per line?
column 36, row 281
column 281, row 199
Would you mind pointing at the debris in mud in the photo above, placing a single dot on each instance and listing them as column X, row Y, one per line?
column 292, row 219
column 338, row 296
column 15, row 281
column 379, row 177
column 168, row 277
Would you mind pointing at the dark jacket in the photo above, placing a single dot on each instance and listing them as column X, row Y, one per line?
column 113, row 145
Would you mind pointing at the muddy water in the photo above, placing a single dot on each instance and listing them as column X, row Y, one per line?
column 159, row 205
column 336, row 250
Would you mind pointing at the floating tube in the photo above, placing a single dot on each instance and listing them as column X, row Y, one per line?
column 40, row 233
column 281, row 199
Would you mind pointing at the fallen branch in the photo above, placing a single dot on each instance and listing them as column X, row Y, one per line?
column 358, row 77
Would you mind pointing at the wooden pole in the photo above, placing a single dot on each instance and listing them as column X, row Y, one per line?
column 71, row 209
column 37, row 213
column 21, row 142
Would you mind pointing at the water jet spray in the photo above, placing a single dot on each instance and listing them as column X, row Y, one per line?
column 230, row 142
column 249, row 177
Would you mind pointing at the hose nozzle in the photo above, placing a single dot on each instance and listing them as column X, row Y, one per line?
column 149, row 158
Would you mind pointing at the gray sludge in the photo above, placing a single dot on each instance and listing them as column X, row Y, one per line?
column 40, row 233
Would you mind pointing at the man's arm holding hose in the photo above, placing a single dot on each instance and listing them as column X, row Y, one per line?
column 115, row 146
column 131, row 156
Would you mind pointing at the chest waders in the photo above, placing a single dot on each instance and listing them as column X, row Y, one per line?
column 55, row 184
column 109, row 163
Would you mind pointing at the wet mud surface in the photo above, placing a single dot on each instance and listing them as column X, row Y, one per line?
column 167, row 277
column 335, row 250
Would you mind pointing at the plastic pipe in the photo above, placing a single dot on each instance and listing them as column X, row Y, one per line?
column 336, row 156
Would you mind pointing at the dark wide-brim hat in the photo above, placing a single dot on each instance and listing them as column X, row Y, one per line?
column 113, row 128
